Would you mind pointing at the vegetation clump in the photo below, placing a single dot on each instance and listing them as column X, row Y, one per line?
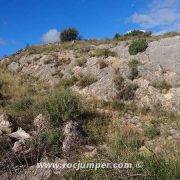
column 69, row 34
column 133, row 65
column 161, row 84
column 125, row 91
column 86, row 80
column 138, row 45
column 61, row 106
column 132, row 34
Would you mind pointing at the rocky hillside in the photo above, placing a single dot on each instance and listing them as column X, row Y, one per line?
column 91, row 101
column 158, row 66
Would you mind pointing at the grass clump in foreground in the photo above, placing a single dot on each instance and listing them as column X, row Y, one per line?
column 61, row 106
column 123, row 144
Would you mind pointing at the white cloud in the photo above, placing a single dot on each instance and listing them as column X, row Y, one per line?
column 51, row 36
column 163, row 15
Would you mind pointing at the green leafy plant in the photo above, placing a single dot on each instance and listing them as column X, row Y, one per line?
column 69, row 34
column 137, row 46
column 138, row 33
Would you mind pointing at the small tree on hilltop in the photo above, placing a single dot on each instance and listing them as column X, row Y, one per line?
column 69, row 34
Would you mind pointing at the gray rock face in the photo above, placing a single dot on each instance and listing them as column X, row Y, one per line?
column 74, row 137
column 165, row 52
column 41, row 123
column 20, row 134
column 172, row 99
column 175, row 133
column 13, row 67
column 160, row 61
column 18, row 146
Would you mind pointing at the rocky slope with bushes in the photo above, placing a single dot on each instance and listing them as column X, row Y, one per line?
column 112, row 101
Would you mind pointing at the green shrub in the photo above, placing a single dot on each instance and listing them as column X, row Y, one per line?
column 69, row 34
column 161, row 84
column 86, row 80
column 60, row 106
column 138, row 33
column 131, row 35
column 137, row 46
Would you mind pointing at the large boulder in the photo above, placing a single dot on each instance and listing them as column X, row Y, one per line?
column 18, row 146
column 41, row 123
column 74, row 137
column 14, row 67
column 172, row 99
column 162, row 53
column 20, row 134
column 165, row 52
column 5, row 124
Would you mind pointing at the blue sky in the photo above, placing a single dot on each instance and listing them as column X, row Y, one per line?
column 40, row 21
